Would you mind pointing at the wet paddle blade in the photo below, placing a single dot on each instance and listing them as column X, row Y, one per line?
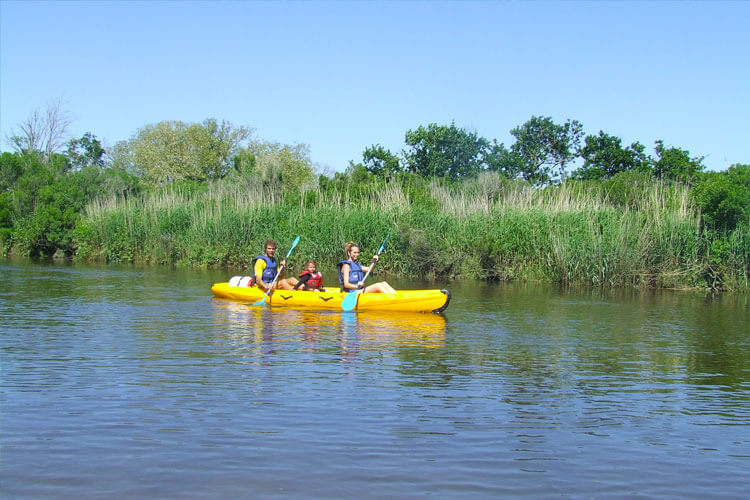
column 350, row 301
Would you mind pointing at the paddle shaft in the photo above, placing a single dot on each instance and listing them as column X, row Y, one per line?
column 368, row 272
column 275, row 279
column 374, row 261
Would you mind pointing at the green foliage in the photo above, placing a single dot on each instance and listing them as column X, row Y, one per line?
column 11, row 168
column 42, row 198
column 545, row 148
column 185, row 188
column 485, row 227
column 119, row 183
column 173, row 150
column 280, row 167
column 457, row 205
column 121, row 158
column 675, row 164
column 444, row 151
column 36, row 174
column 381, row 162
column 541, row 154
column 6, row 221
column 244, row 163
column 47, row 228
column 358, row 175
column 487, row 187
column 604, row 157
column 502, row 160
column 86, row 151
column 416, row 190
column 724, row 197
column 625, row 189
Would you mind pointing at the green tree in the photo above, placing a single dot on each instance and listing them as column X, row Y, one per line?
column 6, row 220
column 724, row 197
column 676, row 164
column 119, row 183
column 444, row 151
column 498, row 158
column 11, row 168
column 121, row 157
column 59, row 208
column 85, row 151
column 29, row 201
column 358, row 174
column 381, row 162
column 41, row 199
column 604, row 157
column 214, row 144
column 545, row 148
column 37, row 173
column 173, row 151
column 275, row 165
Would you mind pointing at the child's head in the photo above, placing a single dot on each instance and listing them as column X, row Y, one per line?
column 311, row 265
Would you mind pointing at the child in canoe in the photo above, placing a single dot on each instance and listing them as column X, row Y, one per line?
column 310, row 279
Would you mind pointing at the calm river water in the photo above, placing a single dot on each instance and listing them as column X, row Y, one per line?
column 121, row 382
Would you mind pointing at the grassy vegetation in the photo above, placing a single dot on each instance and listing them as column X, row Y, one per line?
column 633, row 232
column 457, row 205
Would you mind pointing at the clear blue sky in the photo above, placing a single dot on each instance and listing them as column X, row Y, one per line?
column 341, row 76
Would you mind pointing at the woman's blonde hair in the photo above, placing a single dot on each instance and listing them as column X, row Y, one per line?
column 348, row 247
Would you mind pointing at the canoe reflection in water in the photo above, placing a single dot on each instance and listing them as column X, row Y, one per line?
column 314, row 330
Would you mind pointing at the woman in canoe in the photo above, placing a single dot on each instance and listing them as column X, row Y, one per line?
column 265, row 268
column 310, row 279
column 351, row 273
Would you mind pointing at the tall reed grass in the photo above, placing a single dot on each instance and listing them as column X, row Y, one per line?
column 487, row 228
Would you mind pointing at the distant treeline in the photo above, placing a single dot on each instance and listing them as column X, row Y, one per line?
column 556, row 205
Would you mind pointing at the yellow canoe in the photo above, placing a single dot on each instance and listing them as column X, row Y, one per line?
column 435, row 301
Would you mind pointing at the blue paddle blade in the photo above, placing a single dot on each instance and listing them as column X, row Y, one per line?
column 294, row 244
column 262, row 302
column 350, row 301
column 384, row 242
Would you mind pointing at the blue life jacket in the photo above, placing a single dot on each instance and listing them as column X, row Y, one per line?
column 356, row 273
column 269, row 273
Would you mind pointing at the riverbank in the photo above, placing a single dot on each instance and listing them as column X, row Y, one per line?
column 489, row 229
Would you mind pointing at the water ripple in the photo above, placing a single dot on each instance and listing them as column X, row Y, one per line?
column 109, row 375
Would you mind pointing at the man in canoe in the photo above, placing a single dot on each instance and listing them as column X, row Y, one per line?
column 265, row 268
column 351, row 273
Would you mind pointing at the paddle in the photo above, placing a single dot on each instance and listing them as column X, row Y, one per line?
column 262, row 302
column 350, row 301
